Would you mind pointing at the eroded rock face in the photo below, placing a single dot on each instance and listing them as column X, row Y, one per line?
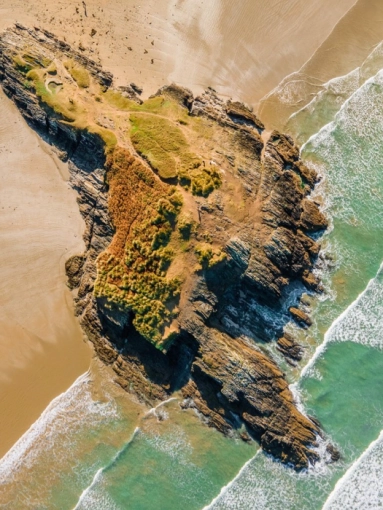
column 248, row 244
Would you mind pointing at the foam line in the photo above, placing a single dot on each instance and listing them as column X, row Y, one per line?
column 327, row 337
column 229, row 485
column 12, row 460
column 328, row 127
column 99, row 473
column 89, row 488
column 102, row 470
column 154, row 409
column 342, row 482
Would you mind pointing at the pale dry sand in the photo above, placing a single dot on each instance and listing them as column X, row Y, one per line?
column 350, row 42
column 242, row 49
column 41, row 344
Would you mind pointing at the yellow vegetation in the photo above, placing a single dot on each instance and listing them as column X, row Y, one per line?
column 78, row 73
column 145, row 211
column 166, row 149
column 208, row 255
column 132, row 272
column 186, row 225
column 160, row 142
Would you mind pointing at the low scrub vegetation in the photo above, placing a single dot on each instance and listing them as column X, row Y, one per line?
column 132, row 272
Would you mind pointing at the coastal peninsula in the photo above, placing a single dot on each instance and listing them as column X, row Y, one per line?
column 199, row 225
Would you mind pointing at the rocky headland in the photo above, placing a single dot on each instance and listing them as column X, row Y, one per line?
column 199, row 238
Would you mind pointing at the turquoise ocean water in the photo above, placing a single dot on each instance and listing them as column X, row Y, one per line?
column 95, row 449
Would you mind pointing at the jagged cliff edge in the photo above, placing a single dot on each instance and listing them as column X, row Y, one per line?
column 246, row 247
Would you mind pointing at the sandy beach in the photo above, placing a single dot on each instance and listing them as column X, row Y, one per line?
column 242, row 50
column 41, row 344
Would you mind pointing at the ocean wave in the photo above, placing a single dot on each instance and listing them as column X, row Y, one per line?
column 65, row 443
column 361, row 322
column 264, row 483
column 99, row 500
column 95, row 493
column 90, row 495
column 361, row 486
column 332, row 95
column 53, row 426
column 227, row 487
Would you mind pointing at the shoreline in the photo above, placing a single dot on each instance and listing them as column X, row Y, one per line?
column 25, row 397
column 42, row 350
column 348, row 50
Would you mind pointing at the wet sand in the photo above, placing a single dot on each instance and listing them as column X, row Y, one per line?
column 244, row 49
column 41, row 344
column 348, row 45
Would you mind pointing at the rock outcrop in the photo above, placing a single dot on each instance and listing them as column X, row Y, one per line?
column 290, row 349
column 196, row 231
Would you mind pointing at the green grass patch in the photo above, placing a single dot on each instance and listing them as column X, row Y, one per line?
column 160, row 142
column 108, row 137
column 186, row 226
column 166, row 149
column 59, row 102
column 37, row 60
column 201, row 180
column 21, row 65
column 117, row 100
column 78, row 73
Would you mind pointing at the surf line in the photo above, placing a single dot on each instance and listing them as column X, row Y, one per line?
column 327, row 337
column 12, row 460
column 225, row 488
column 341, row 483
column 102, row 470
column 331, row 125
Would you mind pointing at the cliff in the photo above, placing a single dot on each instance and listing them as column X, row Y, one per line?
column 198, row 229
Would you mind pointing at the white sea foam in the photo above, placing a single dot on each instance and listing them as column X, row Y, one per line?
column 99, row 500
column 153, row 410
column 95, row 495
column 85, row 493
column 61, row 413
column 326, row 102
column 353, row 156
column 262, row 480
column 340, row 86
column 88, row 497
column 353, row 179
column 53, row 447
column 361, row 486
column 361, row 322
column 227, row 487
column 265, row 484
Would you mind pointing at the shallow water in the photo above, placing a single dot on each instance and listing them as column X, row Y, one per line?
column 341, row 383
column 106, row 452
